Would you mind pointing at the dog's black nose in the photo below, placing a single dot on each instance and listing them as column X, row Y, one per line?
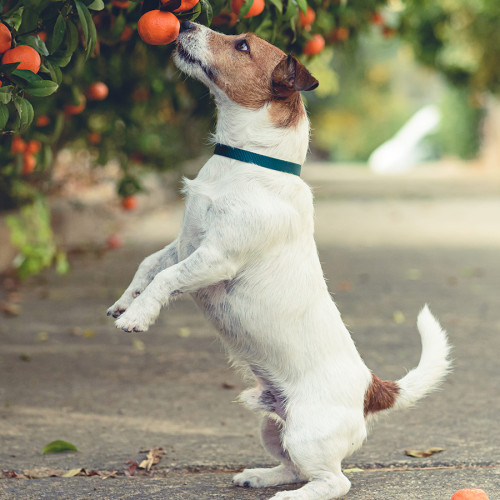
column 187, row 26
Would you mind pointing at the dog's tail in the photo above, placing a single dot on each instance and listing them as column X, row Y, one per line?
column 434, row 365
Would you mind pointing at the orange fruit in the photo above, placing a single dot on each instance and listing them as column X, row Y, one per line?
column 256, row 8
column 308, row 18
column 97, row 91
column 29, row 164
column 186, row 5
column 43, row 36
column 17, row 145
column 72, row 109
column 126, row 34
column 42, row 121
column 94, row 138
column 377, row 18
column 33, row 146
column 5, row 38
column 129, row 203
column 470, row 494
column 157, row 27
column 1, row 83
column 114, row 241
column 121, row 4
column 341, row 33
column 314, row 46
column 27, row 56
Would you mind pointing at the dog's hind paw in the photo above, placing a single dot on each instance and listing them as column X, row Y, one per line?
column 262, row 478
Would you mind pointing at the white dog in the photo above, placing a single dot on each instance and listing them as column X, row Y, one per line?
column 247, row 255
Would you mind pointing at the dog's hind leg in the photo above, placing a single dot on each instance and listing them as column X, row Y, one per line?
column 316, row 446
column 285, row 473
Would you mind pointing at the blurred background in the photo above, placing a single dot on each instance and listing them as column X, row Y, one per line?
column 401, row 83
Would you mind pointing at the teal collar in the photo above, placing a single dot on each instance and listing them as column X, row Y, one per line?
column 264, row 161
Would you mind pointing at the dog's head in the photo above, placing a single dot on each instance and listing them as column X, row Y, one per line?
column 244, row 68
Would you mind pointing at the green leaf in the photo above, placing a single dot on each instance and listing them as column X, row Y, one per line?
column 80, row 8
column 58, row 34
column 34, row 41
column 60, row 59
column 29, row 20
column 195, row 12
column 9, row 68
column 58, row 447
column 292, row 10
column 42, row 89
column 245, row 8
column 25, row 112
column 302, row 5
column 26, row 75
column 4, row 116
column 96, row 5
column 71, row 38
column 209, row 13
column 278, row 4
column 53, row 70
column 6, row 94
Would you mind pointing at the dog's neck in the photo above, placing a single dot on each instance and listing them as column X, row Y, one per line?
column 253, row 130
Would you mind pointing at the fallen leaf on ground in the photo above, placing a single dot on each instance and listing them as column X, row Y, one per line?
column 40, row 472
column 353, row 469
column 413, row 274
column 184, row 332
column 10, row 309
column 398, row 317
column 58, row 446
column 132, row 467
column 423, row 453
column 138, row 345
column 12, row 474
column 154, row 456
column 110, row 474
column 42, row 337
column 73, row 472
column 345, row 286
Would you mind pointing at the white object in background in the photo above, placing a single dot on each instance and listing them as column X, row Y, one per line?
column 406, row 149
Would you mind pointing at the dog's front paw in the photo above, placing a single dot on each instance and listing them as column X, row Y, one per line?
column 138, row 317
column 120, row 306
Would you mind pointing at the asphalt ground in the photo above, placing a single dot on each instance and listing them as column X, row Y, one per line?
column 388, row 245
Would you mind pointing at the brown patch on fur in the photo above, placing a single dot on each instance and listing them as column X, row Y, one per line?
column 263, row 76
column 380, row 395
column 244, row 77
column 288, row 112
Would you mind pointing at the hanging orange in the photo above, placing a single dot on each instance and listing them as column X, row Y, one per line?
column 5, row 38
column 256, row 8
column 308, row 18
column 26, row 55
column 97, row 91
column 157, row 27
column 314, row 46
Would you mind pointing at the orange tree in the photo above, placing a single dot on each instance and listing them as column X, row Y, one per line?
column 98, row 75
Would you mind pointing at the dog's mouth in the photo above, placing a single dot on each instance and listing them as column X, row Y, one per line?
column 185, row 56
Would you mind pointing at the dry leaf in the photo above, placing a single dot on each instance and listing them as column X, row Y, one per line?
column 345, row 286
column 88, row 333
column 154, row 456
column 40, row 472
column 73, row 472
column 111, row 474
column 398, row 317
column 413, row 274
column 138, row 345
column 132, row 467
column 184, row 332
column 42, row 337
column 10, row 309
column 423, row 453
column 352, row 469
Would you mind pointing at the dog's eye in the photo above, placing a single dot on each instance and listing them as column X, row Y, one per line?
column 242, row 46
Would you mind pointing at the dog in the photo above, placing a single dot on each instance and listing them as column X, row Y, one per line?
column 247, row 255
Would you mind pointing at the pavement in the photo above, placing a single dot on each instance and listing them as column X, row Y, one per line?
column 388, row 245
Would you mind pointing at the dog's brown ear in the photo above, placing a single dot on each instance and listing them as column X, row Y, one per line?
column 291, row 76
